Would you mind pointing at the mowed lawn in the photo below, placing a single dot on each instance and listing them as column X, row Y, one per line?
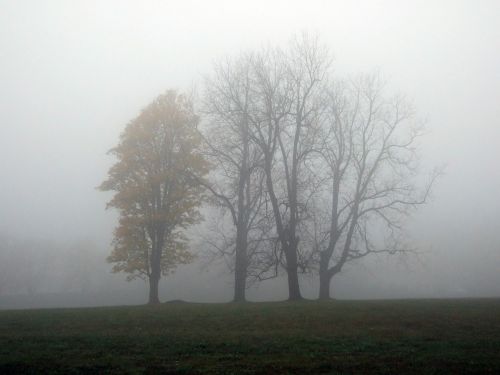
column 404, row 336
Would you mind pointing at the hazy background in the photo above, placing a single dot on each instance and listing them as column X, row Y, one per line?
column 72, row 73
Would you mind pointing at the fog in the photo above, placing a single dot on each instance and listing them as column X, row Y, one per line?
column 74, row 73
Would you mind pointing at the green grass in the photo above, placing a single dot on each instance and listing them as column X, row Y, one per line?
column 406, row 336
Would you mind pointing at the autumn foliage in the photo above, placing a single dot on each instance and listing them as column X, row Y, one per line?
column 157, row 190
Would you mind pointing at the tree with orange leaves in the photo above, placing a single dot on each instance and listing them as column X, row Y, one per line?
column 157, row 188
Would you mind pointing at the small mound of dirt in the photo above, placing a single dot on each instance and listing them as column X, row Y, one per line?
column 177, row 301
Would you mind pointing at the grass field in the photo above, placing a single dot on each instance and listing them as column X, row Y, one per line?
column 405, row 336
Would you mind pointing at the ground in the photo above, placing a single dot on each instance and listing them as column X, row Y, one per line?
column 392, row 337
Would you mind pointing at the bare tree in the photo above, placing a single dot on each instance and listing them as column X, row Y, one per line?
column 370, row 159
column 288, row 85
column 237, row 183
column 329, row 167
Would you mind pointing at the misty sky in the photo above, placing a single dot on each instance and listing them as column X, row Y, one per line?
column 72, row 73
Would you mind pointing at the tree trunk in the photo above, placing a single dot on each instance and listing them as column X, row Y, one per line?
column 293, row 286
column 154, row 277
column 324, row 275
column 293, row 278
column 240, row 270
column 324, row 286
column 153, row 290
column 289, row 247
column 239, row 287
